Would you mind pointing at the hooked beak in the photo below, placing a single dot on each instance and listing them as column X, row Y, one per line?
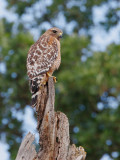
column 60, row 35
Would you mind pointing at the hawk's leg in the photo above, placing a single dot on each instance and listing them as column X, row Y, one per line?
column 54, row 78
column 43, row 81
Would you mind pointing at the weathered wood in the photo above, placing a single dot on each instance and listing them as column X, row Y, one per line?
column 76, row 153
column 61, row 137
column 53, row 129
column 27, row 149
column 47, row 128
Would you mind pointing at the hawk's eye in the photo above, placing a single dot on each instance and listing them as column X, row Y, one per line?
column 54, row 31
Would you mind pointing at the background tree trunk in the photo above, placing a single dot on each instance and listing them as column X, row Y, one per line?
column 53, row 128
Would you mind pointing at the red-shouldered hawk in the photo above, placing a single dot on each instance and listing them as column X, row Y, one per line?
column 43, row 59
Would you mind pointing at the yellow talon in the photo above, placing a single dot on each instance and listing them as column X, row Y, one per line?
column 44, row 83
column 41, row 87
column 49, row 74
column 54, row 78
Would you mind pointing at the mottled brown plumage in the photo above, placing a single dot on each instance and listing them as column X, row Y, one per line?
column 43, row 59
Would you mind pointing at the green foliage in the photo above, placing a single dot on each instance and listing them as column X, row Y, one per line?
column 13, row 84
column 78, row 11
column 82, row 87
column 88, row 82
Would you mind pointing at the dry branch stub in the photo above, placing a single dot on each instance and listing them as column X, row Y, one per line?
column 53, row 128
column 27, row 149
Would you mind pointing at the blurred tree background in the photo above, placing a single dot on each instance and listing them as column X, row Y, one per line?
column 88, row 87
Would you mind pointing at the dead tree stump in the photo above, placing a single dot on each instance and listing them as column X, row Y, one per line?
column 53, row 128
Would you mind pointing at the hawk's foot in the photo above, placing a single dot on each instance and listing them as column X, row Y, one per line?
column 54, row 78
column 42, row 84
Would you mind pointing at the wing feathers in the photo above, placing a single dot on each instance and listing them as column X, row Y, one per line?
column 41, row 56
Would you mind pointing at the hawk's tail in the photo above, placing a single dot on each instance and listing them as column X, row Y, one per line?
column 35, row 89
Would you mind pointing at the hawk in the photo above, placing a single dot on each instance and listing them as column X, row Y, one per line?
column 43, row 59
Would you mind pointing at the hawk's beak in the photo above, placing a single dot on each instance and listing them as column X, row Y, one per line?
column 60, row 35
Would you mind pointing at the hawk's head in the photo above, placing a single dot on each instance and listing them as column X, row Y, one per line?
column 55, row 32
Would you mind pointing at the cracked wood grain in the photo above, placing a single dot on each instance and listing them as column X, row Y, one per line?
column 27, row 149
column 53, row 129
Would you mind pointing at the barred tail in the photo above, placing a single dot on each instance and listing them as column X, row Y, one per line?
column 34, row 88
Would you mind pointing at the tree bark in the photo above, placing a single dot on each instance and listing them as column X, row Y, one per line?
column 53, row 128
